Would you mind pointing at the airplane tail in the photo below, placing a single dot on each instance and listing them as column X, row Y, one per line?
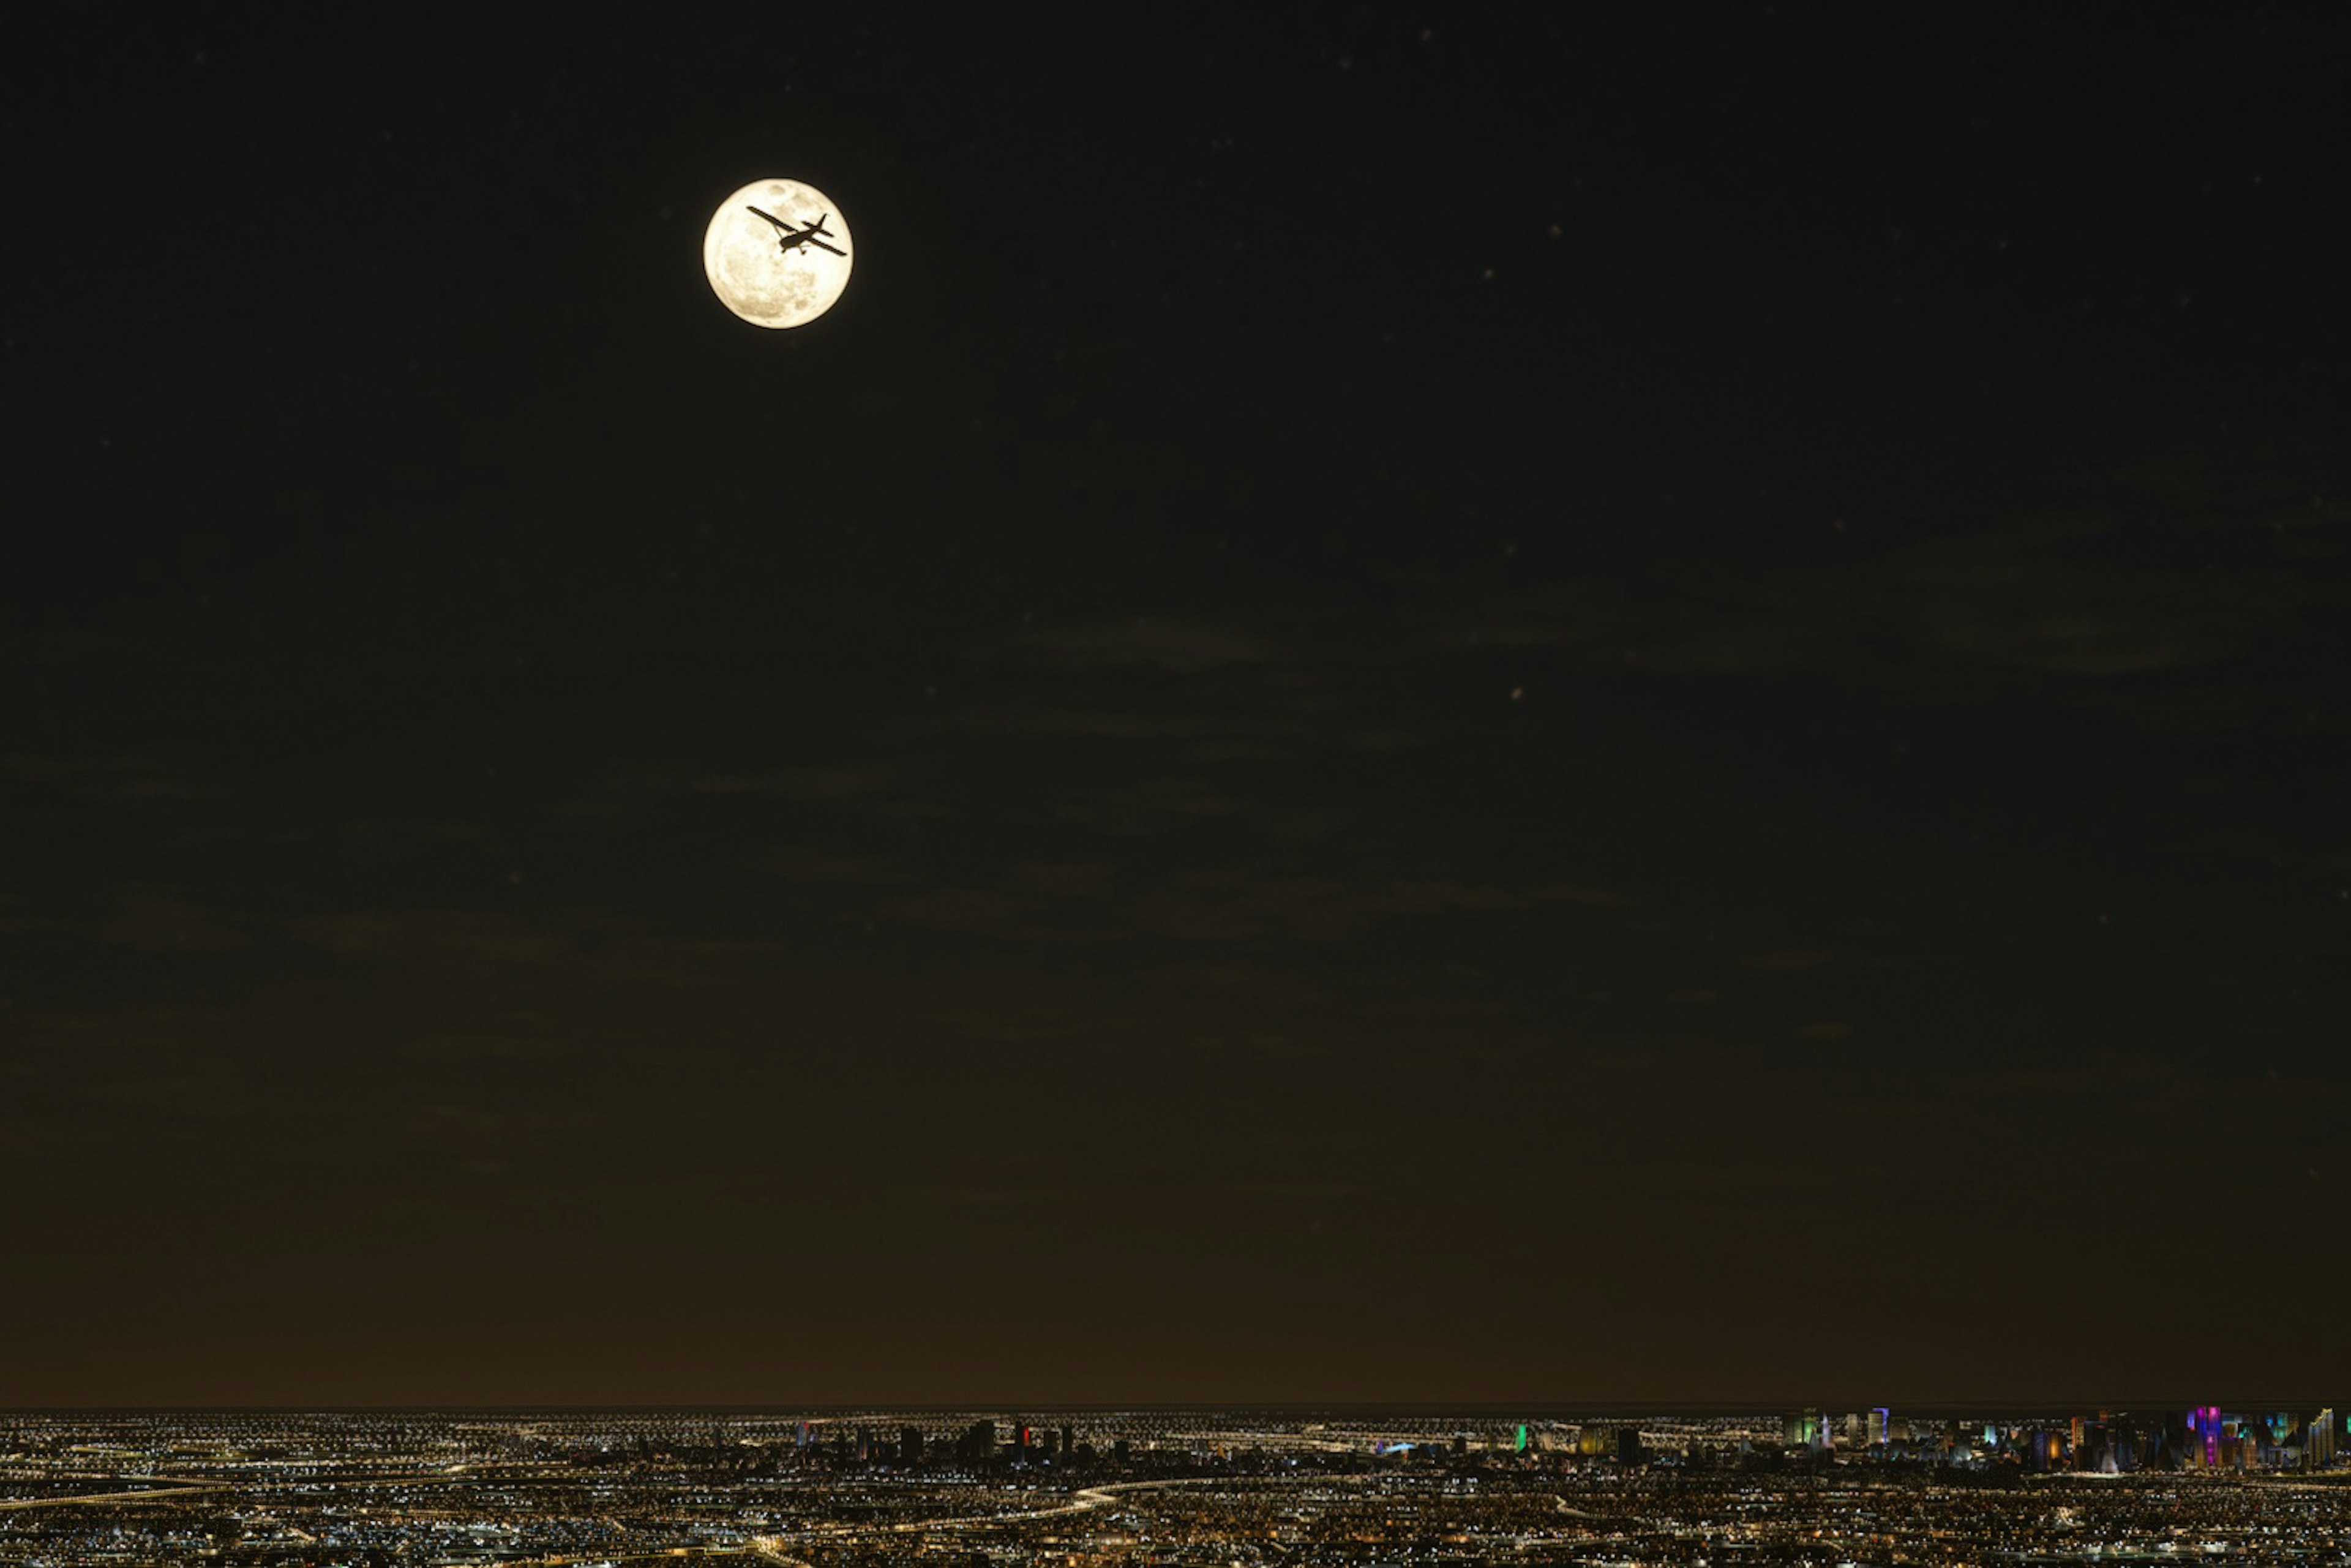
column 818, row 227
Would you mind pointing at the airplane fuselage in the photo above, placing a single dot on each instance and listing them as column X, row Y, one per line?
column 788, row 239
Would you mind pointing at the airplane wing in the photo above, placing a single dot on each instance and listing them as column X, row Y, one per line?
column 773, row 219
column 822, row 246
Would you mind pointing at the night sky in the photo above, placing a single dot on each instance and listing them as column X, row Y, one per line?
column 1649, row 705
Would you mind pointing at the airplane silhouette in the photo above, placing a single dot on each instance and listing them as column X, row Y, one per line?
column 788, row 236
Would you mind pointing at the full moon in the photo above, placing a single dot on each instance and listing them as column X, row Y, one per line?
column 753, row 269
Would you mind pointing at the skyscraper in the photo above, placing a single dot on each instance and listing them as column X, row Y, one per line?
column 2204, row 1443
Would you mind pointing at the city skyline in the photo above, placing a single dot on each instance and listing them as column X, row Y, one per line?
column 1139, row 1486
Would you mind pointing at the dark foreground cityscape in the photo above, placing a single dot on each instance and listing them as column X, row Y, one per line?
column 1814, row 1487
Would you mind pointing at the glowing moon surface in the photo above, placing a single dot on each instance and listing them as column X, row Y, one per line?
column 755, row 275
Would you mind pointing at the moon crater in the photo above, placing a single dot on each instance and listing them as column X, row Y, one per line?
column 756, row 277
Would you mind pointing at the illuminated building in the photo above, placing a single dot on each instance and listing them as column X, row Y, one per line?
column 1881, row 1427
column 2318, row 1440
column 2204, row 1428
column 2092, row 1443
column 1807, row 1429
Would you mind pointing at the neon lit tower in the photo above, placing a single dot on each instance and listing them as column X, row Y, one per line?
column 2205, row 1422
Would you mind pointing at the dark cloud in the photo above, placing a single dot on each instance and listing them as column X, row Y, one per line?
column 1184, row 647
column 1953, row 617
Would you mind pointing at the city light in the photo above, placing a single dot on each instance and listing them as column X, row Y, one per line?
column 832, row 1488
